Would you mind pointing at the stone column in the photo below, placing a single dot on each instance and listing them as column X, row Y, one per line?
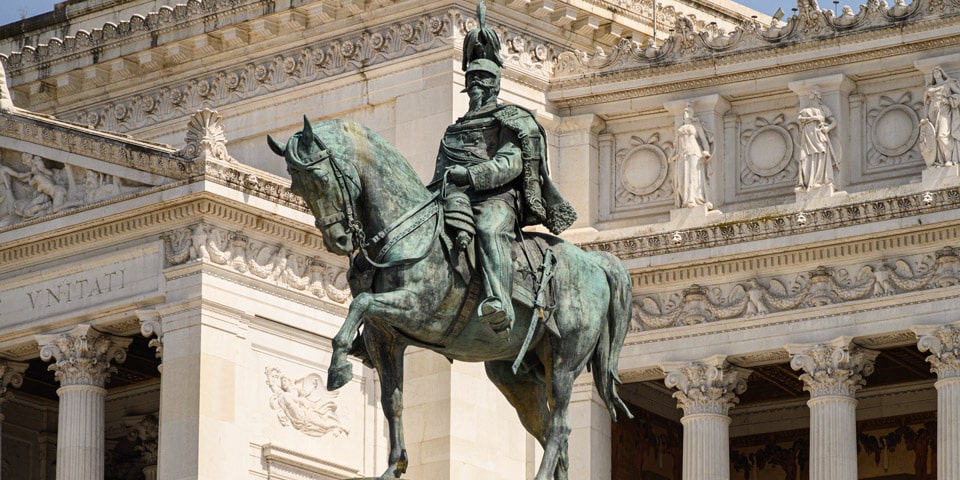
column 943, row 343
column 82, row 366
column 11, row 373
column 706, row 391
column 833, row 372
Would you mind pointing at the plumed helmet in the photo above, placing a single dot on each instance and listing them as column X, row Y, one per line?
column 482, row 42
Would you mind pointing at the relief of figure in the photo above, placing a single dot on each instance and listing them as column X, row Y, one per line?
column 940, row 130
column 98, row 186
column 51, row 197
column 7, row 214
column 898, row 9
column 818, row 158
column 847, row 17
column 291, row 399
column 693, row 153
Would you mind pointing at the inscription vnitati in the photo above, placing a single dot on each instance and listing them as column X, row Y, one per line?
column 81, row 287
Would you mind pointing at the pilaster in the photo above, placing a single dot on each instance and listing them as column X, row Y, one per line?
column 11, row 374
column 590, row 434
column 82, row 365
column 576, row 170
column 943, row 343
column 706, row 391
column 832, row 373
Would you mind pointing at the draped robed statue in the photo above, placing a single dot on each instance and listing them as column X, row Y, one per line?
column 448, row 267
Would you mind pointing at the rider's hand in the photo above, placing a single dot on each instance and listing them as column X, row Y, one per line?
column 458, row 175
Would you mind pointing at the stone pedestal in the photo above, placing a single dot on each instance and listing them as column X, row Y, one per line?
column 934, row 178
column 706, row 391
column 82, row 365
column 943, row 343
column 833, row 372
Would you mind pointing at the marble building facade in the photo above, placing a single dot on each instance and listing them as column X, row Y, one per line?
column 166, row 305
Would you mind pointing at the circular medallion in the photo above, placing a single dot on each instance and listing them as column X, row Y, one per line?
column 643, row 170
column 769, row 150
column 896, row 130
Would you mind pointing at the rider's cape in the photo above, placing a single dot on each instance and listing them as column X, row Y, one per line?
column 542, row 202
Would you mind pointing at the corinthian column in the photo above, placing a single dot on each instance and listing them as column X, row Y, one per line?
column 82, row 366
column 706, row 391
column 11, row 373
column 833, row 372
column 943, row 343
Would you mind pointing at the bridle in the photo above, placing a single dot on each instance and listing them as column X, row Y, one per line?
column 347, row 216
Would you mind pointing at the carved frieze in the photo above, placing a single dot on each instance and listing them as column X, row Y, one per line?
column 267, row 262
column 822, row 286
column 297, row 405
column 39, row 187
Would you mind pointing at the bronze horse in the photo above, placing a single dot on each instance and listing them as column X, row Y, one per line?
column 357, row 185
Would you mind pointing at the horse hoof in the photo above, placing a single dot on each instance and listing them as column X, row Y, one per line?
column 339, row 374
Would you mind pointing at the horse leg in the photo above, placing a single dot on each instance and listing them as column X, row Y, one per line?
column 341, row 370
column 555, row 460
column 526, row 392
column 387, row 357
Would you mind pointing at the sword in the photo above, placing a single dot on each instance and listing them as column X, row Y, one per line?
column 546, row 273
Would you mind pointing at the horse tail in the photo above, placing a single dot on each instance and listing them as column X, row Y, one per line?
column 606, row 355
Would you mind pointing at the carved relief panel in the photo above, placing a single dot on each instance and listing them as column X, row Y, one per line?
column 889, row 136
column 32, row 186
column 637, row 172
column 766, row 155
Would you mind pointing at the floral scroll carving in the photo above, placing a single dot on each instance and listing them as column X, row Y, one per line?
column 268, row 262
column 822, row 286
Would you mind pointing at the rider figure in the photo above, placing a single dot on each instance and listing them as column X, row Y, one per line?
column 498, row 153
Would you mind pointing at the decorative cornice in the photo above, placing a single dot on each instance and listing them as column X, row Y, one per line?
column 835, row 368
column 781, row 225
column 792, row 57
column 813, row 289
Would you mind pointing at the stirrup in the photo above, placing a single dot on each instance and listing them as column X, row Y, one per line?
column 493, row 315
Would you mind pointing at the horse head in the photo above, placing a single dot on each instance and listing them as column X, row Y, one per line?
column 323, row 185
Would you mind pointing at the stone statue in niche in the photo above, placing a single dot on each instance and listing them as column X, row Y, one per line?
column 693, row 153
column 940, row 130
column 818, row 157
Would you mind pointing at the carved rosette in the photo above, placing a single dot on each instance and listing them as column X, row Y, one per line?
column 943, row 343
column 708, row 386
column 82, row 356
column 835, row 368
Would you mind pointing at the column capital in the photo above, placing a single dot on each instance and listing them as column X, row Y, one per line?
column 706, row 386
column 714, row 104
column 82, row 355
column 834, row 368
column 11, row 374
column 943, row 343
column 588, row 122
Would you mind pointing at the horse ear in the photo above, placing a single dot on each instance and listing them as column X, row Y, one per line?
column 307, row 129
column 275, row 146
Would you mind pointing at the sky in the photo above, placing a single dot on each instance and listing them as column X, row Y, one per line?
column 13, row 10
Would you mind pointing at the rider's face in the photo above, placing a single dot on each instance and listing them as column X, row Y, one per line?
column 481, row 87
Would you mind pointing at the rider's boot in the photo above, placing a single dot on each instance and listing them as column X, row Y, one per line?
column 491, row 312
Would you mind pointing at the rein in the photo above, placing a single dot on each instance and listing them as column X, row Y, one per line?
column 411, row 220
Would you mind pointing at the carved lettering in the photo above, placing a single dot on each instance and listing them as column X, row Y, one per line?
column 76, row 290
